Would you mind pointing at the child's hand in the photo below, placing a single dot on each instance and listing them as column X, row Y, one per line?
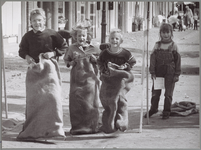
column 71, row 63
column 49, row 55
column 175, row 79
column 29, row 59
column 153, row 76
column 124, row 66
column 93, row 59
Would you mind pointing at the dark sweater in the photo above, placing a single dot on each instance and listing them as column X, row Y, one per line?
column 120, row 58
column 33, row 44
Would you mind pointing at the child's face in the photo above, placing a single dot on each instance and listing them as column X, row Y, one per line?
column 115, row 39
column 166, row 35
column 81, row 37
column 37, row 22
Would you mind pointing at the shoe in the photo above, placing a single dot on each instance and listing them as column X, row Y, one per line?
column 165, row 115
column 151, row 112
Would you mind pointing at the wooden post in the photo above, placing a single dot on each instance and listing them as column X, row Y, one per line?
column 103, row 29
column 147, row 70
column 3, row 68
column 55, row 16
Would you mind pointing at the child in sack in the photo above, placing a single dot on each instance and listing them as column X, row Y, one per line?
column 115, row 64
column 39, row 47
column 84, row 82
column 165, row 61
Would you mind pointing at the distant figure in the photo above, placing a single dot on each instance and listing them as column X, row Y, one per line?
column 189, row 17
column 170, row 14
column 182, row 27
column 165, row 61
column 195, row 17
column 173, row 20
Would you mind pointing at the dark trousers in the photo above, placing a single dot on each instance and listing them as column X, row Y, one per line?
column 180, row 27
column 174, row 25
column 195, row 24
column 169, row 88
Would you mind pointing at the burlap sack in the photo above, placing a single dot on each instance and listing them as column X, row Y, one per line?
column 113, row 98
column 44, row 116
column 83, row 97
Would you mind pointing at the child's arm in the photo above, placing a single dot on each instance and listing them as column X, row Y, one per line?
column 101, row 63
column 152, row 66
column 62, row 49
column 94, row 56
column 177, row 60
column 23, row 48
column 61, row 44
column 68, row 58
column 131, row 61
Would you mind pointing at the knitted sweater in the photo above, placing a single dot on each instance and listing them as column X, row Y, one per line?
column 33, row 44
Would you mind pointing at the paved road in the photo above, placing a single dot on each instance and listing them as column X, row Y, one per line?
column 158, row 134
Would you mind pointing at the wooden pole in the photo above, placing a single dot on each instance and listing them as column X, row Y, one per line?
column 3, row 68
column 55, row 16
column 147, row 70
column 4, row 79
column 142, row 81
column 103, row 29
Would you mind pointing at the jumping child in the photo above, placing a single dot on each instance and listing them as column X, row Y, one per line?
column 165, row 61
column 40, row 46
column 115, row 64
column 84, row 82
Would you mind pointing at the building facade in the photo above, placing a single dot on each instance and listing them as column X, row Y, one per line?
column 118, row 14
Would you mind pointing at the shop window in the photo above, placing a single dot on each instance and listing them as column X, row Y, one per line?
column 82, row 9
column 91, row 8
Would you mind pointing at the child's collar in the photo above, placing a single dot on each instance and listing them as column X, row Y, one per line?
column 165, row 42
column 35, row 31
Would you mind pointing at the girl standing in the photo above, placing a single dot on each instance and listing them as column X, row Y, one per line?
column 165, row 61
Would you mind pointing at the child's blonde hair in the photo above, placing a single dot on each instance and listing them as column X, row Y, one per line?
column 166, row 27
column 84, row 25
column 117, row 31
column 38, row 11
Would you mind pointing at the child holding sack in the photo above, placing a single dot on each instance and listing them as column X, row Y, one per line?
column 115, row 65
column 40, row 46
column 84, row 82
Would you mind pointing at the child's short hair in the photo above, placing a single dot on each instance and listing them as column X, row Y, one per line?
column 84, row 25
column 116, row 31
column 38, row 11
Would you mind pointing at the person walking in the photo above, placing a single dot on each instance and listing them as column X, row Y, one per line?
column 195, row 17
column 189, row 17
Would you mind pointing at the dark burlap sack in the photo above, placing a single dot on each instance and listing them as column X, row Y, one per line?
column 112, row 95
column 83, row 98
column 44, row 115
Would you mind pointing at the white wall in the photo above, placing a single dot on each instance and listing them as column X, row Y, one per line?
column 11, row 18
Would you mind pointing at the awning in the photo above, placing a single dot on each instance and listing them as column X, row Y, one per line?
column 187, row 3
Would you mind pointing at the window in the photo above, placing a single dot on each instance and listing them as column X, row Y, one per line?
column 82, row 9
column 91, row 8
